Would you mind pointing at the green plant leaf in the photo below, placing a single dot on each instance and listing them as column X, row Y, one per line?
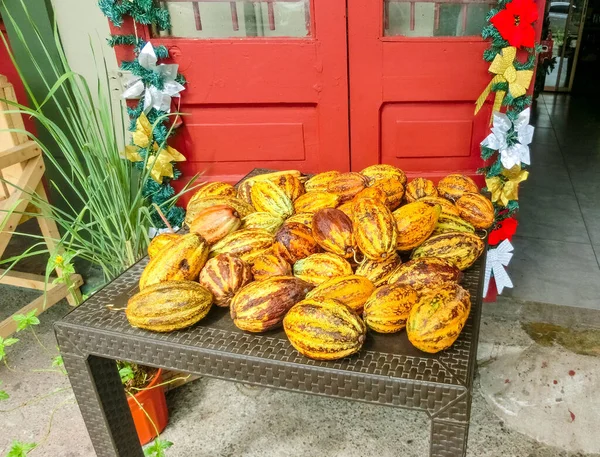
column 3, row 394
column 126, row 374
column 26, row 320
column 58, row 361
column 19, row 449
column 157, row 448
column 4, row 343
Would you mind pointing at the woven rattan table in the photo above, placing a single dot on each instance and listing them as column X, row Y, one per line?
column 387, row 371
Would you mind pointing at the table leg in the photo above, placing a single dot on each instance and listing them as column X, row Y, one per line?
column 448, row 439
column 101, row 398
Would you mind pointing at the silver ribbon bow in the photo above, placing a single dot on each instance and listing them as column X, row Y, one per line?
column 153, row 97
column 497, row 259
column 517, row 153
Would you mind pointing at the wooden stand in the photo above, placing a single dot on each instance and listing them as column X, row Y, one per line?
column 21, row 169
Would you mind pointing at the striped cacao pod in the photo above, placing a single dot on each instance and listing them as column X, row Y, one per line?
column 347, row 185
column 448, row 223
column 318, row 268
column 348, row 209
column 262, row 220
column 169, row 306
column 215, row 222
column 476, row 209
column 435, row 322
column 269, row 197
column 302, row 218
column 193, row 208
column 371, row 192
column 160, row 241
column 387, row 309
column 375, row 231
column 461, row 249
column 295, row 241
column 383, row 171
column 394, row 191
column 179, row 261
column 453, row 186
column 425, row 273
column 245, row 187
column 415, row 223
column 214, row 189
column 311, row 202
column 261, row 305
column 332, row 230
column 270, row 264
column 419, row 188
column 243, row 191
column 245, row 244
column 379, row 272
column 320, row 182
column 447, row 206
column 352, row 291
column 324, row 329
column 223, row 276
column 291, row 186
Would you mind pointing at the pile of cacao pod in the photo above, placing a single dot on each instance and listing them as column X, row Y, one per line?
column 322, row 256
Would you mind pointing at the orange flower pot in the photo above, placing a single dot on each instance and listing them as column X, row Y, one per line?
column 153, row 400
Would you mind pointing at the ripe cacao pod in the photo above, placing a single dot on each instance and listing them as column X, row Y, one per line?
column 372, row 192
column 383, row 171
column 320, row 182
column 261, row 305
column 332, row 230
column 194, row 207
column 352, row 291
column 447, row 206
column 448, row 223
column 294, row 241
column 476, row 209
column 302, row 218
column 318, row 268
column 348, row 209
column 223, row 276
column 347, row 185
column 415, row 223
column 425, row 273
column 262, row 220
column 387, row 309
column 379, row 272
column 394, row 191
column 419, row 188
column 215, row 189
column 375, row 231
column 324, row 329
column 435, row 322
column 453, row 186
column 244, row 244
column 169, row 306
column 311, row 202
column 180, row 261
column 269, row 197
column 215, row 222
column 291, row 186
column 245, row 187
column 243, row 191
column 160, row 241
column 270, row 264
column 461, row 249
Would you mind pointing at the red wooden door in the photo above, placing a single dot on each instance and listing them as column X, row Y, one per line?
column 267, row 84
column 416, row 69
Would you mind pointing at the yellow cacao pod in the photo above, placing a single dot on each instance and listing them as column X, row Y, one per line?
column 215, row 222
column 379, row 272
column 243, row 191
column 384, row 171
column 459, row 248
column 302, row 218
column 387, row 309
column 419, row 188
column 347, row 185
column 311, row 202
column 178, row 261
column 372, row 192
column 318, row 268
column 269, row 197
column 393, row 189
column 194, row 207
column 245, row 187
column 214, row 189
column 352, row 291
column 291, row 186
column 348, row 209
column 262, row 220
column 169, row 306
column 332, row 230
column 425, row 273
column 270, row 264
column 415, row 222
column 160, row 241
column 476, row 209
column 375, row 229
column 294, row 241
column 244, row 244
column 324, row 329
column 261, row 305
column 223, row 276
column 447, row 206
column 320, row 182
column 448, row 223
column 436, row 321
column 453, row 186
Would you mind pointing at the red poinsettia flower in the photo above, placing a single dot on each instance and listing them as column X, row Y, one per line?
column 515, row 23
column 505, row 231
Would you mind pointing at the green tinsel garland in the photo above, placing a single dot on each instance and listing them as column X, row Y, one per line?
column 142, row 11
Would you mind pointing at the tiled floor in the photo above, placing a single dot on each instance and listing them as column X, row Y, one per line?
column 557, row 250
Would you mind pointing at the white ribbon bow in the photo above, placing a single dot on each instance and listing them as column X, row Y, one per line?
column 153, row 97
column 497, row 259
column 519, row 152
